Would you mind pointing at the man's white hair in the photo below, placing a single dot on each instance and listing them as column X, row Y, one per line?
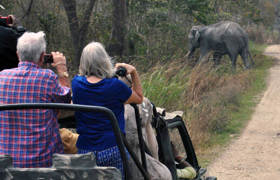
column 30, row 46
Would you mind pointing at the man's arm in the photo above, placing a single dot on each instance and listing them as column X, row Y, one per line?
column 59, row 62
column 63, row 76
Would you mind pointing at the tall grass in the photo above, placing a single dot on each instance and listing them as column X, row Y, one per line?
column 165, row 85
column 216, row 101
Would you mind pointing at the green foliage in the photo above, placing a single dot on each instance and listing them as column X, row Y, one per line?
column 156, row 29
column 100, row 28
column 46, row 21
column 7, row 4
column 200, row 10
column 269, row 10
column 250, row 10
column 164, row 87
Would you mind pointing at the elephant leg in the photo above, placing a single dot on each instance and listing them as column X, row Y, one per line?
column 250, row 56
column 233, row 58
column 244, row 56
column 217, row 57
column 203, row 53
column 200, row 59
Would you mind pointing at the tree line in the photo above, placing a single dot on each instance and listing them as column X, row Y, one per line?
column 145, row 31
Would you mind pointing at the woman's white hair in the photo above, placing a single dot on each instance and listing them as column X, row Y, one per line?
column 95, row 61
column 30, row 46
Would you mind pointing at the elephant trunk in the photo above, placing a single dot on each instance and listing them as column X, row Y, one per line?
column 190, row 53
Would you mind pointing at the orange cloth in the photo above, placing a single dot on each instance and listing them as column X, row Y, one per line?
column 69, row 140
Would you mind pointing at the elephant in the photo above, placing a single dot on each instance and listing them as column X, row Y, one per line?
column 223, row 38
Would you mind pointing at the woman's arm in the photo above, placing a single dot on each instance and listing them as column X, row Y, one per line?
column 137, row 94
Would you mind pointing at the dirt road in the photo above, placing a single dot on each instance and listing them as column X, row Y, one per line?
column 255, row 155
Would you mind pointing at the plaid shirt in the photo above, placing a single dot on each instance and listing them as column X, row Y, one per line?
column 30, row 136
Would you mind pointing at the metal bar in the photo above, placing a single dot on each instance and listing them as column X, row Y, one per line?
column 178, row 123
column 77, row 107
column 173, row 125
column 135, row 159
column 140, row 135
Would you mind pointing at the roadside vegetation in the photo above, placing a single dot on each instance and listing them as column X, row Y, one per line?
column 217, row 102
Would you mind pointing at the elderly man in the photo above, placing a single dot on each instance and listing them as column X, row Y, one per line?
column 31, row 137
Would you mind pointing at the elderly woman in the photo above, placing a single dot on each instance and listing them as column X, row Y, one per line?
column 96, row 86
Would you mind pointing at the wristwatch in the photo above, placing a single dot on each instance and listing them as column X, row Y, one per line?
column 64, row 74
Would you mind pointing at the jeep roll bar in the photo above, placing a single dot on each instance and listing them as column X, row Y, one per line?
column 178, row 123
column 76, row 107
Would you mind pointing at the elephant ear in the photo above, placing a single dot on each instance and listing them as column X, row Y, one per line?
column 197, row 35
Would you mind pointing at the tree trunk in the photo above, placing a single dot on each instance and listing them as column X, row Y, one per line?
column 78, row 29
column 117, row 40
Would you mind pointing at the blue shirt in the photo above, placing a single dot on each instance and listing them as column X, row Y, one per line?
column 95, row 129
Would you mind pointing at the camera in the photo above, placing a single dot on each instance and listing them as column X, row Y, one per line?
column 121, row 71
column 6, row 20
column 48, row 58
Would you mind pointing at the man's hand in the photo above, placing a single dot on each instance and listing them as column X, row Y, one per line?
column 59, row 62
column 58, row 59
column 12, row 20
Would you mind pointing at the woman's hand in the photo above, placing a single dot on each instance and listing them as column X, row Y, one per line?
column 137, row 94
column 129, row 68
